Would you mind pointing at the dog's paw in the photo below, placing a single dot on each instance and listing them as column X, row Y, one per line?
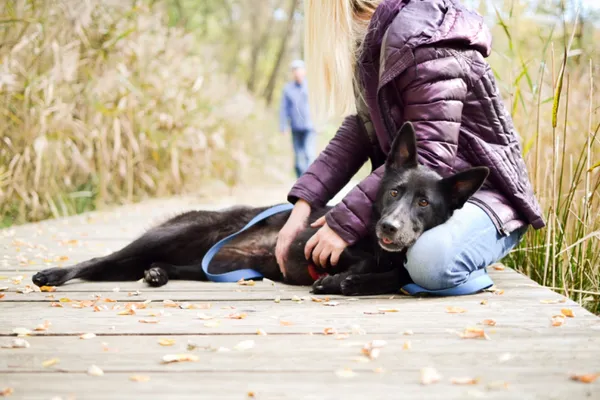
column 51, row 277
column 156, row 277
column 354, row 285
column 326, row 285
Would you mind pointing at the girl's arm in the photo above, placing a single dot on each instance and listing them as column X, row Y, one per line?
column 433, row 92
column 335, row 166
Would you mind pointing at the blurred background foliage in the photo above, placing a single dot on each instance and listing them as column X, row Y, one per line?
column 113, row 101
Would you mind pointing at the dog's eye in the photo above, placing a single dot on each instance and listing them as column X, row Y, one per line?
column 393, row 193
column 423, row 203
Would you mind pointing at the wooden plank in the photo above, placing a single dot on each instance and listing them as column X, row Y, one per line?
column 428, row 314
column 522, row 384
column 318, row 353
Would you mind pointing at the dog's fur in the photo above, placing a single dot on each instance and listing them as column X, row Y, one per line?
column 411, row 200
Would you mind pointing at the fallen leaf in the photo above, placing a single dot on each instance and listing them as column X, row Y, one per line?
column 407, row 345
column 203, row 316
column 499, row 292
column 498, row 267
column 379, row 370
column 567, row 312
column 243, row 282
column 455, row 310
column 129, row 311
column 373, row 313
column 473, row 333
column 484, row 302
column 166, row 342
column 50, row 362
column 136, row 293
column 17, row 343
column 250, row 394
column 139, row 378
column 107, row 300
column 296, row 299
column 237, row 316
column 553, row 301
column 345, row 373
column 357, row 330
column 148, row 321
column 261, row 332
column 63, row 258
column 244, row 345
column 212, row 324
column 170, row 304
column 329, row 331
column 87, row 336
column 26, row 289
column 43, row 326
column 489, row 322
column 94, row 370
column 56, row 305
column 277, row 299
column 464, row 380
column 48, row 289
column 317, row 299
column 285, row 323
column 373, row 348
column 2, row 295
column 387, row 309
column 585, row 378
column 171, row 358
column 21, row 331
column 6, row 392
column 342, row 336
column 331, row 303
column 558, row 320
column 429, row 375
column 3, row 288
column 497, row 385
column 408, row 332
column 64, row 300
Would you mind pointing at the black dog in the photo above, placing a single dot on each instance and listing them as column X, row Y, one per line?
column 411, row 200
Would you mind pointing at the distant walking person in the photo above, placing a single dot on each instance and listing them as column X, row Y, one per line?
column 295, row 112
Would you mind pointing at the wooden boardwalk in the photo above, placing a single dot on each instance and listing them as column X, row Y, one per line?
column 525, row 357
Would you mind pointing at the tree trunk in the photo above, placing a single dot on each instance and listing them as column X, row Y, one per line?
column 270, row 88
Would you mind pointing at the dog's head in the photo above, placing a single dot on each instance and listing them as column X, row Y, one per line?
column 412, row 198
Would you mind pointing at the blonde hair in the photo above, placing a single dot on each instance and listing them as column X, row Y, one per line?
column 334, row 32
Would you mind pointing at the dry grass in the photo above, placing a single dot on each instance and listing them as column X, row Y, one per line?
column 549, row 82
column 101, row 102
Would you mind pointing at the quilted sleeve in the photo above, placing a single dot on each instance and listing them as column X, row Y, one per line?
column 336, row 165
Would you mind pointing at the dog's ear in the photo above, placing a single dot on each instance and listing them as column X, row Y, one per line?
column 461, row 186
column 404, row 148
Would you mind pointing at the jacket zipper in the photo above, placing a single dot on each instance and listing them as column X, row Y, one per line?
column 495, row 218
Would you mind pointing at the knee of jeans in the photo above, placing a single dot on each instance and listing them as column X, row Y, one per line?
column 431, row 264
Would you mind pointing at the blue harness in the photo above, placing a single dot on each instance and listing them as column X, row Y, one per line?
column 478, row 280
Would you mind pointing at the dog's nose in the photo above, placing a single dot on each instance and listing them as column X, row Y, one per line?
column 389, row 228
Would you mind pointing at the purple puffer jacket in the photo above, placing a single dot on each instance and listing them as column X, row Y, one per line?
column 423, row 61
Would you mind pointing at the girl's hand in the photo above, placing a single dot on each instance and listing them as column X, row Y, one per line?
column 295, row 223
column 324, row 244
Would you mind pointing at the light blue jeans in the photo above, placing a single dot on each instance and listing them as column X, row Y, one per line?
column 304, row 150
column 451, row 254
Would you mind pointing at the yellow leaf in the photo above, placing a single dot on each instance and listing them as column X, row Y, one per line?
column 567, row 312
column 48, row 288
column 489, row 322
column 455, row 310
column 64, row 300
column 50, row 362
column 464, row 380
column 139, row 378
column 166, row 342
column 171, row 358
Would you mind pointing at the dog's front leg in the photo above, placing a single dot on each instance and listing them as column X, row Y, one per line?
column 371, row 283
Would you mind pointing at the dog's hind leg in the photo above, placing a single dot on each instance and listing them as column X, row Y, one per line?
column 160, row 273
